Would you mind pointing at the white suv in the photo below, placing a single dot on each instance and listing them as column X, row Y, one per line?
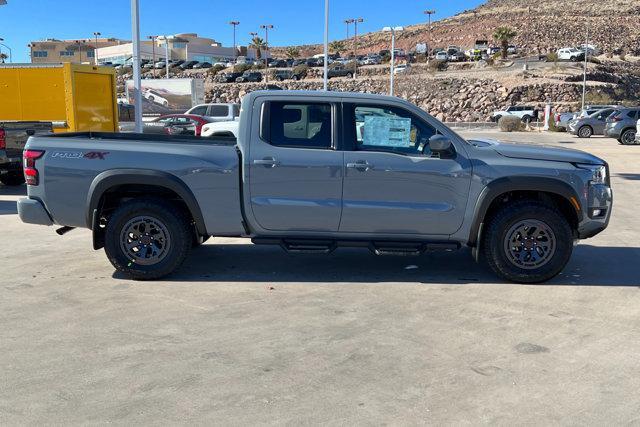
column 570, row 54
column 525, row 113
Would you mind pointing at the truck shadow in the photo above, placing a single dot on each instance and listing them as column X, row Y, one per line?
column 13, row 190
column 8, row 207
column 589, row 266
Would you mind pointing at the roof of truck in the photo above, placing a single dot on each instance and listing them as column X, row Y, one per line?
column 323, row 94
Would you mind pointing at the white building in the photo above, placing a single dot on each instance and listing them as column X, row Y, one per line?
column 186, row 46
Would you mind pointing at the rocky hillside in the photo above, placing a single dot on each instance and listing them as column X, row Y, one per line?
column 613, row 25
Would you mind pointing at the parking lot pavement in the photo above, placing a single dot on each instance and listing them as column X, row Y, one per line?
column 251, row 335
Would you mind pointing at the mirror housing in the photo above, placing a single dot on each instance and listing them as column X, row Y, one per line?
column 441, row 147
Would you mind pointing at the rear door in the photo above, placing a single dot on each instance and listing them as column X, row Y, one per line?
column 295, row 171
column 392, row 183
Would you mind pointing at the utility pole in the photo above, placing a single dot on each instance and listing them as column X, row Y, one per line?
column 79, row 44
column 393, row 31
column 266, row 29
column 153, row 53
column 95, row 48
column 584, row 74
column 429, row 12
column 326, row 45
column 166, row 53
column 235, row 49
column 137, row 83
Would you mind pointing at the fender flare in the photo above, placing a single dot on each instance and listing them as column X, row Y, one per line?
column 518, row 183
column 114, row 177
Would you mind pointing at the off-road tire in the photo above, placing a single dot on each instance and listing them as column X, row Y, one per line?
column 174, row 219
column 526, row 119
column 493, row 241
column 12, row 178
column 628, row 137
column 349, row 75
column 585, row 132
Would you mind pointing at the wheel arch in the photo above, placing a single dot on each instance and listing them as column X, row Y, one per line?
column 126, row 180
column 548, row 189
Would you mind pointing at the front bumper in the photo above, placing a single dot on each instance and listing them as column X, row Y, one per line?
column 598, row 211
column 32, row 211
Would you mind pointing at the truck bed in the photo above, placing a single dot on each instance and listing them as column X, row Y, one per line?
column 77, row 165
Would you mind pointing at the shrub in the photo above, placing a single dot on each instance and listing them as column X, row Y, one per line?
column 623, row 57
column 215, row 69
column 437, row 65
column 258, row 66
column 301, row 70
column 241, row 68
column 510, row 124
column 552, row 57
column 385, row 58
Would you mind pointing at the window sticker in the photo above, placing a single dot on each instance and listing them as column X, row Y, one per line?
column 387, row 131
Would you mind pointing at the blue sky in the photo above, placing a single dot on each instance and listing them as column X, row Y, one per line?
column 296, row 21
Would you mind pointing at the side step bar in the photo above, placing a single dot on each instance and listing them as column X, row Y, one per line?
column 320, row 246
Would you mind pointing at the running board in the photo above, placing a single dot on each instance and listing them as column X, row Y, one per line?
column 321, row 246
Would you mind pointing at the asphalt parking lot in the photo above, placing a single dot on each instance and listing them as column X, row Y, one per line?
column 248, row 335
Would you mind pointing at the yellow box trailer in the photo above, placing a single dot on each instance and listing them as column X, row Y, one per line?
column 74, row 97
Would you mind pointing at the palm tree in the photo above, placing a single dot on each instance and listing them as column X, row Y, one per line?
column 3, row 56
column 258, row 44
column 293, row 52
column 336, row 47
column 504, row 36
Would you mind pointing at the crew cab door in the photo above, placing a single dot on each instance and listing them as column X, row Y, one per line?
column 392, row 183
column 295, row 173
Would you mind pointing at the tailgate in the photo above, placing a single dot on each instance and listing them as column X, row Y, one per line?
column 17, row 134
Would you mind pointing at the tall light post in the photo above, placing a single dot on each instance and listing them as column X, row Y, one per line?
column 355, row 47
column 95, row 48
column 235, row 49
column 8, row 48
column 584, row 74
column 393, row 31
column 80, row 44
column 137, row 82
column 153, row 53
column 166, row 52
column 266, row 29
column 348, row 22
column 253, row 37
column 326, row 45
column 429, row 12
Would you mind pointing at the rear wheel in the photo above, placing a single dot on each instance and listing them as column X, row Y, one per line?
column 12, row 178
column 526, row 119
column 148, row 239
column 585, row 132
column 628, row 137
column 527, row 242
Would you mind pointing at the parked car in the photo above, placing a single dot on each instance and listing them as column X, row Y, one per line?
column 593, row 124
column 570, row 54
column 155, row 97
column 250, row 76
column 520, row 207
column 13, row 137
column 217, row 129
column 622, row 125
column 177, row 63
column 372, row 60
column 457, row 57
column 281, row 75
column 526, row 113
column 401, row 69
column 175, row 124
column 216, row 112
column 339, row 71
column 226, row 77
column 201, row 65
column 188, row 65
column 562, row 119
column 590, row 109
column 441, row 56
column 160, row 65
column 278, row 63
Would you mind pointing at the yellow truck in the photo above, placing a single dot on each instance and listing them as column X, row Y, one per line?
column 56, row 97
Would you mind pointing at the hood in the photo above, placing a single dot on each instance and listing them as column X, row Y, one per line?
column 540, row 152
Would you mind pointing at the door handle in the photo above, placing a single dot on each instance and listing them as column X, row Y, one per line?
column 269, row 162
column 360, row 165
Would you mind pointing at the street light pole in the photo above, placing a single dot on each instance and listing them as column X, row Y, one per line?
column 348, row 21
column 584, row 74
column 326, row 45
column 355, row 47
column 429, row 13
column 166, row 53
column 137, row 82
column 95, row 48
column 8, row 48
column 266, row 29
column 235, row 49
column 153, row 53
column 393, row 31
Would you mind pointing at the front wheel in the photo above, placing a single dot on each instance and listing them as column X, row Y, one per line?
column 527, row 242
column 148, row 239
column 585, row 132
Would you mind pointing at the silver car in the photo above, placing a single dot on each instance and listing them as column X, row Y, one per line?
column 592, row 124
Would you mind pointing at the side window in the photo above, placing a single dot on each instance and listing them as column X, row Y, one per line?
column 236, row 110
column 383, row 128
column 200, row 111
column 632, row 114
column 302, row 125
column 218, row 111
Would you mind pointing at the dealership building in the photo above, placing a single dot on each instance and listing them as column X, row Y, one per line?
column 74, row 50
column 186, row 46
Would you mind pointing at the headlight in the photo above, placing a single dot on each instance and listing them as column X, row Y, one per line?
column 598, row 173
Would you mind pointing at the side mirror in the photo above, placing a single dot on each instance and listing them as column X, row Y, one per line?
column 441, row 147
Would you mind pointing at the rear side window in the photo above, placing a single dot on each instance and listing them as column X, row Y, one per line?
column 301, row 125
column 218, row 111
column 633, row 114
column 199, row 111
column 236, row 110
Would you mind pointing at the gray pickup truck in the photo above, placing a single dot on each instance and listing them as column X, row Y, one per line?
column 312, row 171
column 13, row 137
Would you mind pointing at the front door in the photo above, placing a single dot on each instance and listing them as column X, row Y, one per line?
column 295, row 172
column 392, row 183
